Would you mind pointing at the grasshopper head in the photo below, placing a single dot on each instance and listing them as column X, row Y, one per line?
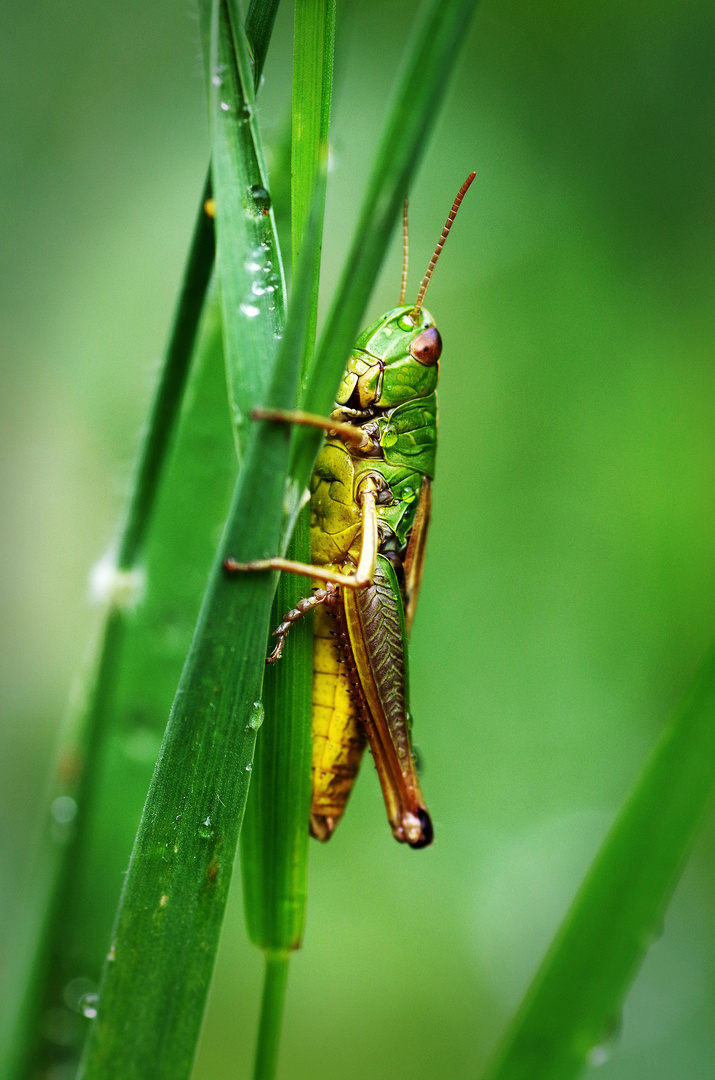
column 394, row 360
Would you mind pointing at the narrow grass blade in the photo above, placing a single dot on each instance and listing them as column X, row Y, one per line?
column 421, row 83
column 313, row 51
column 260, row 20
column 180, row 549
column 170, row 391
column 86, row 730
column 274, row 842
column 619, row 909
column 248, row 259
column 272, row 1001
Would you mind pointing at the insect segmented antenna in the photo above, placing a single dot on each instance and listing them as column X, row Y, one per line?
column 445, row 233
column 405, row 254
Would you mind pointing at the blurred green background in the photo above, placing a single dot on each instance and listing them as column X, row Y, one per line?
column 570, row 585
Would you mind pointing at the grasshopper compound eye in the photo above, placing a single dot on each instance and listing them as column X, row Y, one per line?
column 427, row 346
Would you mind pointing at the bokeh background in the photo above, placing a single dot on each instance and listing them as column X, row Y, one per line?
column 570, row 586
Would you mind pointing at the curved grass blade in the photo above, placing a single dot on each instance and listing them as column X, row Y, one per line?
column 619, row 909
column 190, row 512
column 166, row 935
column 86, row 730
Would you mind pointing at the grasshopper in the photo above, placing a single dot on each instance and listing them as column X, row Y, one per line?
column 369, row 515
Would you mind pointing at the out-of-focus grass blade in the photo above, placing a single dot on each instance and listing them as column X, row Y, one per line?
column 42, row 938
column 313, row 50
column 260, row 20
column 247, row 256
column 421, row 83
column 585, row 975
column 190, row 513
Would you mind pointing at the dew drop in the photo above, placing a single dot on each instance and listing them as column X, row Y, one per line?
column 258, row 290
column 76, row 991
column 250, row 310
column 216, row 80
column 260, row 197
column 249, row 767
column 603, row 1050
column 64, row 810
column 257, row 713
column 206, row 829
column 88, row 1006
column 225, row 107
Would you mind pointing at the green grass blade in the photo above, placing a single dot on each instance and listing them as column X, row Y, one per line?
column 170, row 391
column 85, row 734
column 247, row 254
column 180, row 549
column 260, row 20
column 272, row 1001
column 166, row 934
column 619, row 909
column 274, row 842
column 421, row 83
column 313, row 50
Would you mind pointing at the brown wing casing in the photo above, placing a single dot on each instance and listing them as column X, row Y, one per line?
column 377, row 644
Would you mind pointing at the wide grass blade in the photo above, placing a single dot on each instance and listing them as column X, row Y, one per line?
column 570, row 1007
column 166, row 935
column 421, row 83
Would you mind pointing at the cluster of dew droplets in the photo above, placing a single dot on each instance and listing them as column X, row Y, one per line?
column 264, row 281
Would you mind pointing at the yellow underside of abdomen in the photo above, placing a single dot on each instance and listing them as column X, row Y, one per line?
column 338, row 733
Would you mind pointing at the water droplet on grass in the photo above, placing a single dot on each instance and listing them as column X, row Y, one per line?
column 257, row 713
column 88, row 1006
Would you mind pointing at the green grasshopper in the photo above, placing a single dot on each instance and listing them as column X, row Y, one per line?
column 369, row 514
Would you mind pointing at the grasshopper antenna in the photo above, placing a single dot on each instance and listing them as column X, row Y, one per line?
column 445, row 233
column 405, row 254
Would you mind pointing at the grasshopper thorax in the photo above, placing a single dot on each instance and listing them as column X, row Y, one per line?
column 394, row 360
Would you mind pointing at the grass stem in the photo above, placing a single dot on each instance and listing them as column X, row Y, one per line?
column 275, row 979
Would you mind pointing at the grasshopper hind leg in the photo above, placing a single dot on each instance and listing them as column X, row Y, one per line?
column 308, row 603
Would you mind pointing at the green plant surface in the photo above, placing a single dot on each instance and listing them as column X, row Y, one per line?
column 274, row 839
column 250, row 270
column 86, row 730
column 569, row 586
column 274, row 849
column 567, row 1017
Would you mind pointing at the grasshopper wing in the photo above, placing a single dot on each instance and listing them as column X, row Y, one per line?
column 375, row 624
column 415, row 557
